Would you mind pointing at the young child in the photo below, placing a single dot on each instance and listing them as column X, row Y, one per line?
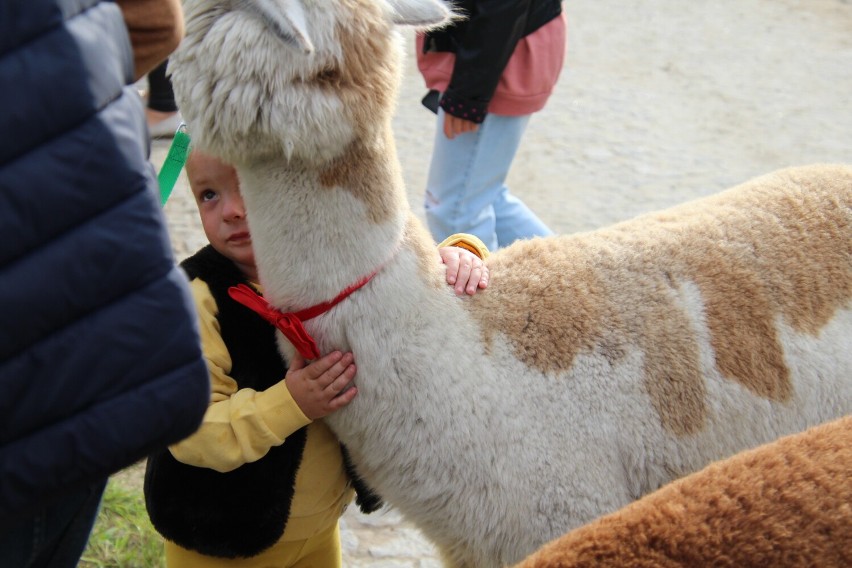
column 262, row 483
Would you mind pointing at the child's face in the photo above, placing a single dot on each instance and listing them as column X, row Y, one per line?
column 220, row 206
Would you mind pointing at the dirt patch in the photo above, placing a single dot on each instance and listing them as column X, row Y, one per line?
column 131, row 478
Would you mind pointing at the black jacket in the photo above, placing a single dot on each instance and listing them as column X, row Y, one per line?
column 483, row 43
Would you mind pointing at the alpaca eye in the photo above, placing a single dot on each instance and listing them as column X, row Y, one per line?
column 328, row 75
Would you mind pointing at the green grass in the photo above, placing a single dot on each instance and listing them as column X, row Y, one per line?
column 123, row 536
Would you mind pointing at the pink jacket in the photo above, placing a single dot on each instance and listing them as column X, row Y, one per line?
column 529, row 77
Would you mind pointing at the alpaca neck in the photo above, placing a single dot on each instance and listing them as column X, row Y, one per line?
column 318, row 228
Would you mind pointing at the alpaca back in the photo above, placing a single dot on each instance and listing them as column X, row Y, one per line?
column 694, row 332
column 737, row 276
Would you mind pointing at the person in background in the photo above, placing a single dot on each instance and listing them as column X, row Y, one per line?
column 264, row 481
column 487, row 73
column 161, row 110
column 100, row 357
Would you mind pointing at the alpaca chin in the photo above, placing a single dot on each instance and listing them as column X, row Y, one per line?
column 245, row 135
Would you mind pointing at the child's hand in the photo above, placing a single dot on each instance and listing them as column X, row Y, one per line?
column 320, row 388
column 465, row 270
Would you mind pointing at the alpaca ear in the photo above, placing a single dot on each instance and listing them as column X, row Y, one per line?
column 420, row 13
column 286, row 18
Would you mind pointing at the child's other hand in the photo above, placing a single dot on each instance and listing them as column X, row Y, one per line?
column 465, row 271
column 321, row 387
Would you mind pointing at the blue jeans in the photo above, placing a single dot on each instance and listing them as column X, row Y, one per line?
column 466, row 189
column 56, row 536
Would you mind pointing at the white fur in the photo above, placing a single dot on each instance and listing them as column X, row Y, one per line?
column 489, row 457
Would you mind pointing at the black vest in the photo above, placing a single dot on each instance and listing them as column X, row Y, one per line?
column 244, row 511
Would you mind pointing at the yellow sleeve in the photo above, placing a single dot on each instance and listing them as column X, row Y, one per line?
column 468, row 242
column 241, row 425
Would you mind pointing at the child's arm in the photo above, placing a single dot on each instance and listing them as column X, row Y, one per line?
column 241, row 425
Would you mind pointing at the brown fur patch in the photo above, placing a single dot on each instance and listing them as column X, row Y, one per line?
column 782, row 504
column 368, row 77
column 742, row 327
column 609, row 300
column 370, row 177
column 672, row 370
column 779, row 247
column 811, row 281
column 369, row 168
column 547, row 329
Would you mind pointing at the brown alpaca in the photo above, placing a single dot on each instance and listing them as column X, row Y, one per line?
column 787, row 503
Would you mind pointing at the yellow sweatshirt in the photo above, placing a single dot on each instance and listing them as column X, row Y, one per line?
column 241, row 425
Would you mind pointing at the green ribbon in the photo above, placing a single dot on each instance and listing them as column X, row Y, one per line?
column 175, row 160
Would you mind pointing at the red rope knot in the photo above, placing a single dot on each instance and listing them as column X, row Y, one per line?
column 287, row 323
column 290, row 323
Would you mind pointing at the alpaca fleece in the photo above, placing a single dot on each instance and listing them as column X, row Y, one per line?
column 596, row 367
column 787, row 503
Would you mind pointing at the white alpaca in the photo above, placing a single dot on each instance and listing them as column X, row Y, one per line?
column 594, row 369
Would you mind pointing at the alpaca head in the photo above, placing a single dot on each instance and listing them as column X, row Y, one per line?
column 299, row 79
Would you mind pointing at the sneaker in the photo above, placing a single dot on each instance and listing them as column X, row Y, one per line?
column 165, row 128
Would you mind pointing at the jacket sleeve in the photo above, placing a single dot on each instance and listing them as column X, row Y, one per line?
column 492, row 32
column 241, row 425
column 156, row 28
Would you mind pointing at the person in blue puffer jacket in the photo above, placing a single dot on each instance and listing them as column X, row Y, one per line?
column 100, row 358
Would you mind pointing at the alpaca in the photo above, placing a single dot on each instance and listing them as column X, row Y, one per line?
column 786, row 503
column 594, row 369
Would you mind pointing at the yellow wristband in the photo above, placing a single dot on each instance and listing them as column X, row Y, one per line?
column 467, row 242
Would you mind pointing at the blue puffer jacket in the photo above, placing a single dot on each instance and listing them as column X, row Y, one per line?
column 100, row 361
